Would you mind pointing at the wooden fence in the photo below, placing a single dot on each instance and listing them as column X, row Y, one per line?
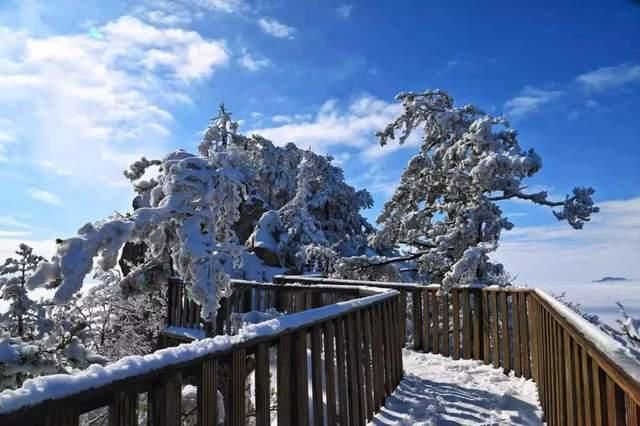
column 523, row 332
column 248, row 296
column 355, row 363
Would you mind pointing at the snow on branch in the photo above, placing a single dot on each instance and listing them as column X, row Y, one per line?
column 185, row 216
column 446, row 205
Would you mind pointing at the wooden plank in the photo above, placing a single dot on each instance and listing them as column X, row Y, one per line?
column 378, row 361
column 466, row 324
column 515, row 327
column 359, row 342
column 597, row 394
column 62, row 415
column 388, row 363
column 478, row 318
column 615, row 403
column 418, row 341
column 560, row 373
column 587, row 393
column 165, row 401
column 263, row 388
column 237, row 387
column 632, row 413
column 495, row 339
column 569, row 389
column 285, row 392
column 577, row 369
column 301, row 380
column 485, row 326
column 445, row 325
column 368, row 370
column 435, row 323
column 341, row 355
column 403, row 316
column 455, row 311
column 426, row 320
column 208, row 393
column 398, row 344
column 524, row 335
column 316, row 375
column 352, row 370
column 123, row 408
column 506, row 341
column 330, row 372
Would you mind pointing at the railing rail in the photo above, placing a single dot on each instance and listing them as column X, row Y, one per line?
column 248, row 296
column 356, row 361
column 528, row 333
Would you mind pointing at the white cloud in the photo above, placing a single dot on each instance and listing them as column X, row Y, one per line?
column 276, row 28
column 170, row 19
column 229, row 6
column 81, row 100
column 333, row 126
column 53, row 168
column 13, row 222
column 253, row 63
column 7, row 137
column 13, row 234
column 607, row 78
column 281, row 119
column 45, row 197
column 557, row 253
column 344, row 11
column 529, row 100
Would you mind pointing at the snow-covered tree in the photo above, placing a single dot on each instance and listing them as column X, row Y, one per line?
column 309, row 193
column 185, row 216
column 24, row 316
column 445, row 209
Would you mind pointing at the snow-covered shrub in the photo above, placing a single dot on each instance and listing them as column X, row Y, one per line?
column 122, row 325
column 445, row 208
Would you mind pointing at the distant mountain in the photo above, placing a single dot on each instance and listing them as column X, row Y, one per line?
column 609, row 279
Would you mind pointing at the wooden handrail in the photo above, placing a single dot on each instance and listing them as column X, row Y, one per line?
column 528, row 333
column 520, row 330
column 365, row 368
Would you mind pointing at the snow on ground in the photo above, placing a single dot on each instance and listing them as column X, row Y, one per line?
column 439, row 391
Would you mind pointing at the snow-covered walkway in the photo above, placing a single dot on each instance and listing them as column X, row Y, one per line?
column 439, row 391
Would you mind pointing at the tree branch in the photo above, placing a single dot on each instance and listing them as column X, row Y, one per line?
column 538, row 198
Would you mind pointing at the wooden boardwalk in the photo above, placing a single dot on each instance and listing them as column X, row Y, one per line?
column 354, row 332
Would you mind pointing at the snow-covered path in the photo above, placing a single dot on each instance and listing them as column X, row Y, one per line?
column 439, row 391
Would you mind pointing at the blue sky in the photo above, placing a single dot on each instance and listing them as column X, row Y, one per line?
column 87, row 87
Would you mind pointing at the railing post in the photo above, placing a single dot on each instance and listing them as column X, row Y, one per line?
column 263, row 389
column 123, row 408
column 208, row 393
column 62, row 416
column 424, row 323
column 165, row 401
column 417, row 320
column 455, row 312
column 285, row 393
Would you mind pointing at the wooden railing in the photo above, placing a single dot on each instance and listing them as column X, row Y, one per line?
column 583, row 377
column 355, row 363
column 249, row 296
column 526, row 332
